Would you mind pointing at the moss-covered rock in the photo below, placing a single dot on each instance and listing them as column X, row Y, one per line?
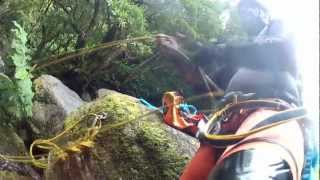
column 12, row 145
column 7, row 175
column 53, row 101
column 142, row 149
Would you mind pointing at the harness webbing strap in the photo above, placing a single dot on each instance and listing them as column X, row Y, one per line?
column 281, row 116
column 205, row 134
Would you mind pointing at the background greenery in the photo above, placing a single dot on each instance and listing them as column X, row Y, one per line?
column 56, row 27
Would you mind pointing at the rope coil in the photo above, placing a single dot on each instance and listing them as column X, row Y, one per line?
column 60, row 152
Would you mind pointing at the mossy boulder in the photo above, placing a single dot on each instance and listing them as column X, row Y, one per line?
column 12, row 145
column 53, row 101
column 7, row 175
column 142, row 149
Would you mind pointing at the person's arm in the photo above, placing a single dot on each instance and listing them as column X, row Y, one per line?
column 189, row 72
column 271, row 55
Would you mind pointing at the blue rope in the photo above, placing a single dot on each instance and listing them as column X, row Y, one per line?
column 188, row 108
column 148, row 105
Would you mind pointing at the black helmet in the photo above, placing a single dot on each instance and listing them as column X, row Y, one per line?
column 253, row 16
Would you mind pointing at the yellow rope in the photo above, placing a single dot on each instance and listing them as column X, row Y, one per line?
column 62, row 152
column 56, row 59
column 214, row 118
column 41, row 161
column 243, row 135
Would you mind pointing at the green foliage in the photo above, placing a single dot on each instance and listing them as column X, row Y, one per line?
column 9, row 104
column 22, row 75
column 59, row 26
column 128, row 16
column 15, row 10
column 16, row 95
column 196, row 19
column 56, row 27
column 152, row 82
column 233, row 30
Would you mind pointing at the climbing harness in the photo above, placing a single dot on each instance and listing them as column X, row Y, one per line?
column 220, row 129
column 208, row 134
column 209, row 130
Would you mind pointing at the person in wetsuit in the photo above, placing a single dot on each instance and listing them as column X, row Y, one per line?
column 265, row 66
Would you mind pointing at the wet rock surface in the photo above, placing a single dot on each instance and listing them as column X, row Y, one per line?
column 53, row 102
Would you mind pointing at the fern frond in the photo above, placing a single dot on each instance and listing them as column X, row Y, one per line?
column 22, row 77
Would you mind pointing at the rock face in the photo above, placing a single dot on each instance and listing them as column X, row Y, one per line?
column 105, row 92
column 12, row 145
column 52, row 88
column 53, row 102
column 144, row 148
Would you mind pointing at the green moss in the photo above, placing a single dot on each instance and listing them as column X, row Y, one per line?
column 142, row 149
column 41, row 95
column 6, row 175
column 11, row 143
column 161, row 149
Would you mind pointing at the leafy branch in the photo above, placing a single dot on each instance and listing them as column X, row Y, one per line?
column 16, row 93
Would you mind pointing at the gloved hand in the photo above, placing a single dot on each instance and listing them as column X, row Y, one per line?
column 170, row 47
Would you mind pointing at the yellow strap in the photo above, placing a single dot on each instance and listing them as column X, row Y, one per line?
column 215, row 116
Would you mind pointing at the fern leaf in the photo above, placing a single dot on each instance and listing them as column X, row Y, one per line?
column 22, row 74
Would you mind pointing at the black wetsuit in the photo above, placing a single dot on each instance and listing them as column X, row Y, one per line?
column 269, row 70
column 266, row 68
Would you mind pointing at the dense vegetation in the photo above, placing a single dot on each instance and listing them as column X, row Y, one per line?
column 52, row 29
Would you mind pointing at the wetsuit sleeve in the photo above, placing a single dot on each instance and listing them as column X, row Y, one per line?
column 213, row 60
column 271, row 55
column 251, row 165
